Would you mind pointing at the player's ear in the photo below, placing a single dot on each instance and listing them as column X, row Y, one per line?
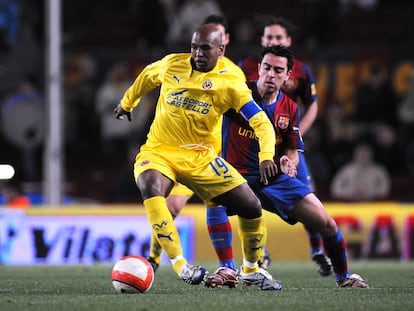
column 288, row 41
column 226, row 39
column 221, row 49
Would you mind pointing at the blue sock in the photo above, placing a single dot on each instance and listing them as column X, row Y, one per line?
column 335, row 247
column 221, row 235
column 315, row 241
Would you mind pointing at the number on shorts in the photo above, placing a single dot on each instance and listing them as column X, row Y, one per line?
column 220, row 167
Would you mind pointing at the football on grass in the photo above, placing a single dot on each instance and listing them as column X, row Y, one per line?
column 132, row 275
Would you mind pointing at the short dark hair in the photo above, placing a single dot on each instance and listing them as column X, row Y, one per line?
column 270, row 20
column 217, row 19
column 279, row 50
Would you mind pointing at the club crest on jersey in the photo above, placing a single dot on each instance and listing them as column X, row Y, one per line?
column 283, row 122
column 207, row 84
column 145, row 162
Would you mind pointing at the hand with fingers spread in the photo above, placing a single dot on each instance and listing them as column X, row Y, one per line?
column 267, row 169
column 287, row 166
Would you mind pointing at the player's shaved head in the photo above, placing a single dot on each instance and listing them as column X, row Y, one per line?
column 206, row 47
column 210, row 33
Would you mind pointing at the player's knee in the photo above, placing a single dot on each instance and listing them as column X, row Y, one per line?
column 329, row 228
column 251, row 208
column 151, row 183
column 149, row 190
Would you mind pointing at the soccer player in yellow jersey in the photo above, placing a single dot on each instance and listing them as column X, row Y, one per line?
column 180, row 194
column 196, row 90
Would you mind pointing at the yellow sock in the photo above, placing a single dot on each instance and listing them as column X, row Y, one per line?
column 249, row 269
column 155, row 249
column 251, row 234
column 262, row 250
column 178, row 264
column 164, row 229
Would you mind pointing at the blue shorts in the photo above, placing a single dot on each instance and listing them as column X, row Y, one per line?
column 303, row 171
column 280, row 195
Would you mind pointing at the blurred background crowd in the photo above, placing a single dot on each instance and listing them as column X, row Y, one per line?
column 361, row 53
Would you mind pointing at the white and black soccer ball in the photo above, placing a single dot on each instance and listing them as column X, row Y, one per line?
column 132, row 275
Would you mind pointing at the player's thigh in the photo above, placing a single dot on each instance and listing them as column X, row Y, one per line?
column 311, row 212
column 240, row 201
column 210, row 176
column 148, row 160
column 281, row 195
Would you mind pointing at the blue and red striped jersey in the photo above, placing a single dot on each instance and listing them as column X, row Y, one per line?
column 240, row 146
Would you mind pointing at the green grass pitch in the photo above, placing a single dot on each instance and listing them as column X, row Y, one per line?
column 90, row 288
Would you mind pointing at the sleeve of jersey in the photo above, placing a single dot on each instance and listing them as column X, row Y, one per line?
column 311, row 94
column 147, row 80
column 294, row 139
column 263, row 129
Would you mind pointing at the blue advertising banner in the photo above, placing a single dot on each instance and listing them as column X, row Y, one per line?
column 79, row 239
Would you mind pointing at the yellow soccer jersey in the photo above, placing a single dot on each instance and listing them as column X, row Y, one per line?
column 233, row 67
column 191, row 103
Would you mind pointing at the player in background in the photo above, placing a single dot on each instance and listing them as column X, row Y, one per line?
column 301, row 88
column 180, row 194
column 196, row 90
column 288, row 197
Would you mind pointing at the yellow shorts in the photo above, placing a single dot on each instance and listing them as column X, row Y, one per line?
column 180, row 189
column 199, row 169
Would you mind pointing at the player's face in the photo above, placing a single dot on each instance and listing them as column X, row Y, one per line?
column 273, row 73
column 205, row 51
column 275, row 35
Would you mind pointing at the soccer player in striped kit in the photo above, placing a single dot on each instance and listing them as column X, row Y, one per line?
column 301, row 88
column 284, row 194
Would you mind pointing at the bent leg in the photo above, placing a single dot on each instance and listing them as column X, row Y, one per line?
column 154, row 186
column 312, row 214
column 175, row 204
